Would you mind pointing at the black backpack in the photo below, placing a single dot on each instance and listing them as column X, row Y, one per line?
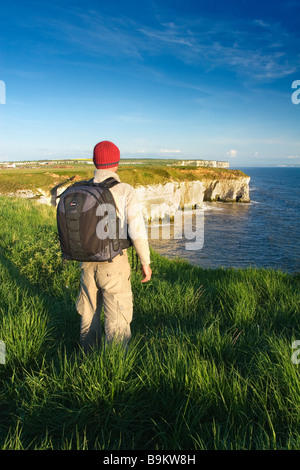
column 79, row 217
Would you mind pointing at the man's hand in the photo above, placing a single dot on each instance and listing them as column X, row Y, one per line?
column 147, row 271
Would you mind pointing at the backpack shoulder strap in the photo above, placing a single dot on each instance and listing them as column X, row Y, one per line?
column 108, row 183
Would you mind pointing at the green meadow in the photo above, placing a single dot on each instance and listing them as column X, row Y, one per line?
column 209, row 365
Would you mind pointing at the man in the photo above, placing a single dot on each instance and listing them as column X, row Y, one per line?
column 107, row 284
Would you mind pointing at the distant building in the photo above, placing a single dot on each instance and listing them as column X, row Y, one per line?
column 8, row 165
column 207, row 163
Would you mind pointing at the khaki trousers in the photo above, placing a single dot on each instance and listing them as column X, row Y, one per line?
column 106, row 285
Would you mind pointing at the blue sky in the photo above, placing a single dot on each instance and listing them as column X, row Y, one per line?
column 172, row 79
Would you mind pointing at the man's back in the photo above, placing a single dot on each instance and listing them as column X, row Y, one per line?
column 107, row 284
column 129, row 212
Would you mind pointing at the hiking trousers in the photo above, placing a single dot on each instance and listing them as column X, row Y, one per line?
column 106, row 285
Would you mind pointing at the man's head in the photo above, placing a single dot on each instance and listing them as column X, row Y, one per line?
column 106, row 156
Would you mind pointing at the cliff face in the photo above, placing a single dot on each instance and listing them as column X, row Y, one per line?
column 162, row 194
column 227, row 190
column 165, row 199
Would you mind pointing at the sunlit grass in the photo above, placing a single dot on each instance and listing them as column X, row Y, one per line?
column 209, row 365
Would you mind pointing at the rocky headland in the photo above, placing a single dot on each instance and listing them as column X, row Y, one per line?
column 160, row 200
column 162, row 190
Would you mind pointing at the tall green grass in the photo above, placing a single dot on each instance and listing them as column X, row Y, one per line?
column 209, row 365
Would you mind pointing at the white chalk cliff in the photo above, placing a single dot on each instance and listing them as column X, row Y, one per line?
column 164, row 199
column 160, row 200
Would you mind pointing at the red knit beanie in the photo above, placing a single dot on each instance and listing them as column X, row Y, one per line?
column 106, row 155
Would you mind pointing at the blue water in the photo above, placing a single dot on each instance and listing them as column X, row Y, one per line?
column 264, row 233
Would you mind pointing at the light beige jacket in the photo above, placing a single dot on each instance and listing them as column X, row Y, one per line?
column 129, row 211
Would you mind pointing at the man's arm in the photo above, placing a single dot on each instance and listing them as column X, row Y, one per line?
column 138, row 234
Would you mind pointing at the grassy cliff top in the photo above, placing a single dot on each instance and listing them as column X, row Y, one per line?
column 212, row 362
column 45, row 177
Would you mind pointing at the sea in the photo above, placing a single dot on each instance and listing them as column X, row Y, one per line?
column 264, row 233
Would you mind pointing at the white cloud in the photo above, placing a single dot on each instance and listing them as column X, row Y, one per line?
column 169, row 151
column 261, row 23
column 251, row 47
column 232, row 153
column 136, row 152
